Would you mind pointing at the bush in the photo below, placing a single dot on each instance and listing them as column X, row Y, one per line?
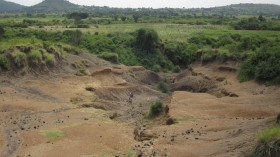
column 112, row 57
column 263, row 66
column 209, row 55
column 180, row 53
column 2, row 32
column 271, row 133
column 74, row 37
column 19, row 58
column 35, row 56
column 4, row 62
column 162, row 86
column 269, row 144
column 83, row 26
column 156, row 109
column 147, row 39
column 49, row 58
column 156, row 68
column 176, row 69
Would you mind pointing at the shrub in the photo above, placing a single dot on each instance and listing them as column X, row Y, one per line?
column 269, row 144
column 83, row 70
column 83, row 26
column 263, row 66
column 156, row 109
column 162, row 86
column 271, row 133
column 147, row 39
column 209, row 55
column 2, row 32
column 74, row 37
column 49, row 58
column 176, row 69
column 35, row 56
column 112, row 57
column 4, row 62
column 19, row 58
column 180, row 53
column 156, row 68
column 246, row 71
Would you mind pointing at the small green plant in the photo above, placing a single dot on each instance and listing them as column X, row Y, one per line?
column 269, row 144
column 163, row 86
column 52, row 134
column 35, row 56
column 271, row 133
column 4, row 62
column 112, row 57
column 83, row 70
column 19, row 58
column 156, row 108
column 49, row 58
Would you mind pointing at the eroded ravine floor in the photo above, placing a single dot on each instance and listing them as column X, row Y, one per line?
column 101, row 122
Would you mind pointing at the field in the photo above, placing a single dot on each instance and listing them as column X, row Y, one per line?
column 173, row 32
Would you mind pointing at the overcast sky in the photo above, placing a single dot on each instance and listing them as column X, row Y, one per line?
column 155, row 3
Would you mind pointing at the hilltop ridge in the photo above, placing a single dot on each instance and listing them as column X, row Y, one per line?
column 6, row 6
column 62, row 6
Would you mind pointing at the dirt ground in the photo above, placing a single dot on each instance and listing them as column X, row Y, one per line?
column 90, row 116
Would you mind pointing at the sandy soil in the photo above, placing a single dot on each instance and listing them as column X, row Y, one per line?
column 99, row 121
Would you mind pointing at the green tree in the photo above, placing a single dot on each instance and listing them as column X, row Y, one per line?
column 77, row 17
column 123, row 18
column 261, row 18
column 147, row 39
column 136, row 17
column 74, row 37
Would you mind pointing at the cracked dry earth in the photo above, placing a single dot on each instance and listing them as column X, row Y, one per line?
column 95, row 119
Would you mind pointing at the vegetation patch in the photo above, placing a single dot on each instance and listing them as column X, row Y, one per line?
column 271, row 133
column 35, row 56
column 19, row 58
column 156, row 108
column 49, row 58
column 4, row 62
column 269, row 144
column 112, row 57
column 52, row 134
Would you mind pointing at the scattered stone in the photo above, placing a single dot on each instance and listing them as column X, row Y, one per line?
column 220, row 79
column 113, row 115
column 170, row 121
column 142, row 134
column 91, row 89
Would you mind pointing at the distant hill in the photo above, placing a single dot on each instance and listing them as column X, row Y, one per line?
column 246, row 9
column 10, row 6
column 54, row 6
column 64, row 6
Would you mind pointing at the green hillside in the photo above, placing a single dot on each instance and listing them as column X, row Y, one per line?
column 10, row 7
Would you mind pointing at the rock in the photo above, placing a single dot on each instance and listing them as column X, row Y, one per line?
column 170, row 121
column 220, row 79
column 113, row 115
column 142, row 134
column 233, row 95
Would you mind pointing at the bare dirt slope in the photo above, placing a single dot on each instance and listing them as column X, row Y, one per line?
column 64, row 113
column 211, row 125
